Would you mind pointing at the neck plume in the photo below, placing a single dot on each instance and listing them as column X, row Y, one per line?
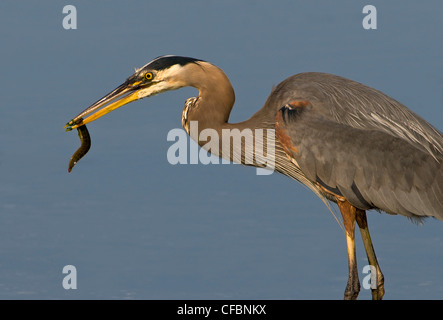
column 205, row 118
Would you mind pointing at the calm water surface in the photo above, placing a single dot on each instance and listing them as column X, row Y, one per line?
column 137, row 227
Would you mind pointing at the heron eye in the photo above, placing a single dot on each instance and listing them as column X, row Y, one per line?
column 149, row 76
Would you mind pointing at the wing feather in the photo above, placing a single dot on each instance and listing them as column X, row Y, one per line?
column 356, row 105
column 372, row 169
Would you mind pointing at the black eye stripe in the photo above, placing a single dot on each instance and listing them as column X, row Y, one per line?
column 165, row 62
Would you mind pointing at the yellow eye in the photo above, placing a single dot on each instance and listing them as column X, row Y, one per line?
column 149, row 76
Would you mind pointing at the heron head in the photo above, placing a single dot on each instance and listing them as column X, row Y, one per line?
column 161, row 74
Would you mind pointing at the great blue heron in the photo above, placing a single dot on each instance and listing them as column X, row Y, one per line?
column 349, row 143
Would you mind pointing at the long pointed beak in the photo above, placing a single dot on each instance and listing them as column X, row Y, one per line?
column 118, row 93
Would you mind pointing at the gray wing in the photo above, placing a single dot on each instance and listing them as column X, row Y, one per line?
column 354, row 104
column 370, row 168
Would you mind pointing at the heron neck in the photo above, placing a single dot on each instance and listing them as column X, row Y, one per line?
column 207, row 117
column 216, row 98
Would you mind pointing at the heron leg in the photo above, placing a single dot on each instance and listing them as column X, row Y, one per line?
column 379, row 291
column 348, row 213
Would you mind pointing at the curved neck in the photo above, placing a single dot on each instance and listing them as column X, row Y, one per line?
column 206, row 120
column 216, row 97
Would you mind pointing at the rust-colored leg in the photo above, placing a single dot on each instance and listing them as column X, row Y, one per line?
column 379, row 291
column 348, row 213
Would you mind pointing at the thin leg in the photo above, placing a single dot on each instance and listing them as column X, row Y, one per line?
column 348, row 213
column 379, row 291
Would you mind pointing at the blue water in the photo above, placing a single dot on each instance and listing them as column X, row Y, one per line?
column 136, row 227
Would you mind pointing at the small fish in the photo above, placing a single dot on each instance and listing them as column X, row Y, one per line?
column 85, row 140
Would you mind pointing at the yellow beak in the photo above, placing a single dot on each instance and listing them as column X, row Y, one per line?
column 115, row 94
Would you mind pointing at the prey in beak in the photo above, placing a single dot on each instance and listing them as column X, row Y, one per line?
column 161, row 74
column 125, row 93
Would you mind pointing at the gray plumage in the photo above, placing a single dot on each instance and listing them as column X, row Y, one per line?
column 394, row 165
column 370, row 168
column 347, row 142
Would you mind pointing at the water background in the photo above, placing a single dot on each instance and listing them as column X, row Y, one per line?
column 136, row 227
